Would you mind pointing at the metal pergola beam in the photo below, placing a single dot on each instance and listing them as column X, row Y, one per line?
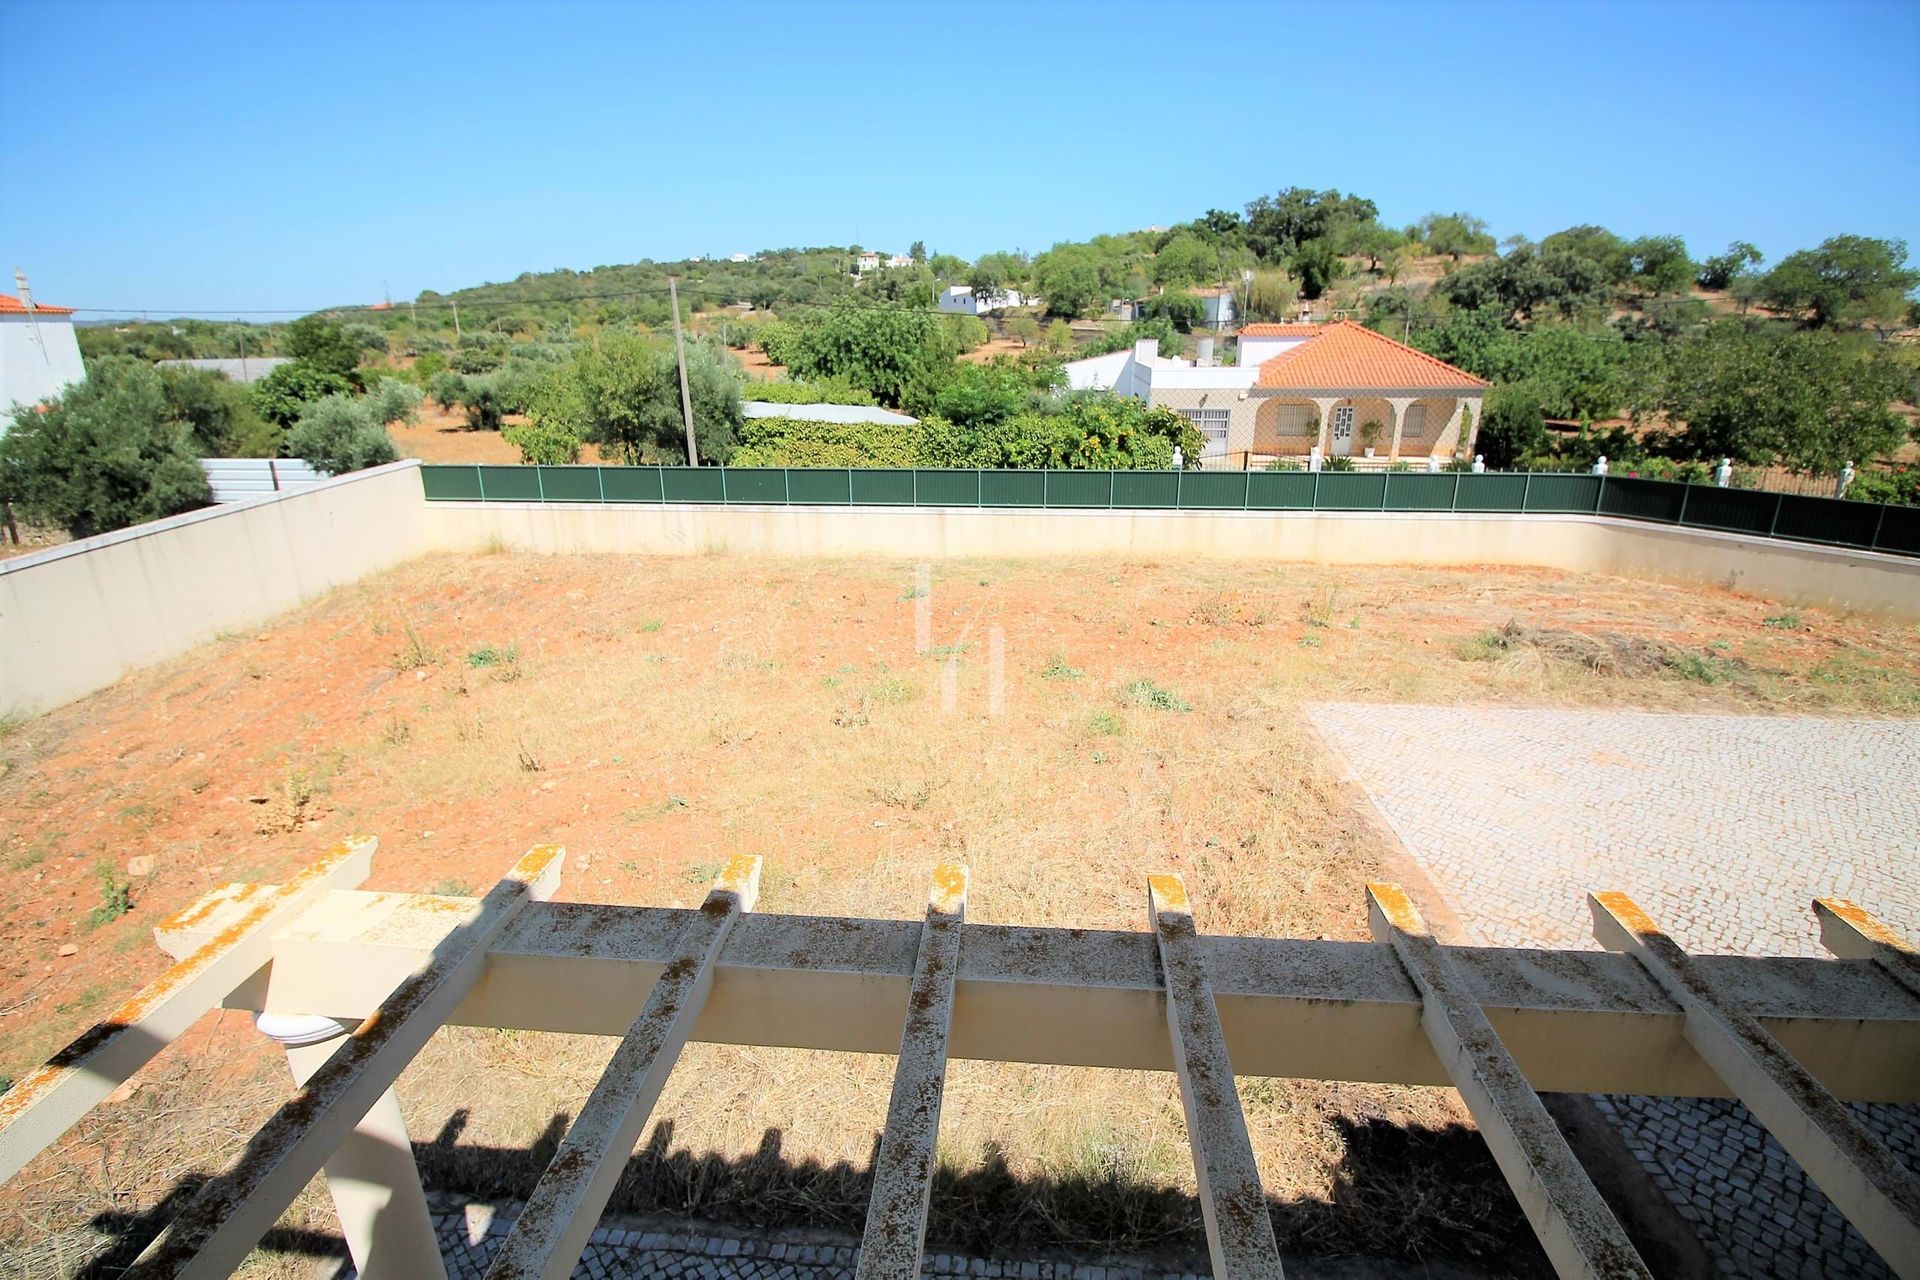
column 218, row 1228
column 566, row 1205
column 1878, row 1194
column 903, row 1168
column 1233, row 1204
column 1580, row 1234
column 1574, row 1021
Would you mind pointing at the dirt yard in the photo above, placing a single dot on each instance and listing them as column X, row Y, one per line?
column 659, row 715
column 442, row 435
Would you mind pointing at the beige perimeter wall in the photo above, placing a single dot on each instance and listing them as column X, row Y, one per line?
column 77, row 617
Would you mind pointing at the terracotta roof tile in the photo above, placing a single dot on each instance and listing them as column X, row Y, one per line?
column 1280, row 330
column 1348, row 356
column 12, row 306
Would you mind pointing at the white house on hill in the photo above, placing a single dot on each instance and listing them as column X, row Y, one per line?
column 1341, row 387
column 959, row 299
column 39, row 356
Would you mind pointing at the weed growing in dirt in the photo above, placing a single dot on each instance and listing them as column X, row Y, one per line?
column 943, row 652
column 1485, row 647
column 1703, row 668
column 116, row 896
column 912, row 593
column 1145, row 693
column 501, row 661
column 1104, row 724
column 1060, row 669
column 892, row 690
column 1321, row 608
column 415, row 653
column 396, row 731
column 11, row 723
column 652, row 625
column 529, row 762
column 1786, row 620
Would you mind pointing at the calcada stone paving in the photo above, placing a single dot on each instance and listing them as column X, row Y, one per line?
column 1724, row 828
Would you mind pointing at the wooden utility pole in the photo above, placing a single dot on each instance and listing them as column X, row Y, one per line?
column 680, row 350
column 457, row 339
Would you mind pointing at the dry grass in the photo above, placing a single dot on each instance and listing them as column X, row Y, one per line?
column 666, row 713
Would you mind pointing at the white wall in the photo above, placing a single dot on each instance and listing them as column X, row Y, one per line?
column 39, row 358
column 77, row 617
column 1255, row 352
column 1098, row 372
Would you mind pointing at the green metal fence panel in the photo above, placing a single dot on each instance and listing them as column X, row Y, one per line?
column 1491, row 491
column 1012, row 488
column 510, row 484
column 948, row 488
column 1133, row 490
column 1898, row 530
column 570, row 484
column 1643, row 499
column 1213, row 490
column 1351, row 490
column 757, row 484
column 450, row 484
column 1281, row 490
column 883, row 487
column 1552, row 491
column 1829, row 520
column 693, row 484
column 632, row 484
column 1734, row 510
column 819, row 486
column 1079, row 488
column 1417, row 491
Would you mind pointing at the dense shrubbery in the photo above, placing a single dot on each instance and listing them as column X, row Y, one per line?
column 342, row 433
column 823, row 391
column 111, row 452
column 623, row 393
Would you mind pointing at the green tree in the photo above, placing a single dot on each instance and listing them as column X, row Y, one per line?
column 342, row 433
column 1660, row 264
column 1720, row 271
column 1762, row 394
column 220, row 416
column 1024, row 329
column 881, row 350
column 979, row 394
column 1278, row 225
column 107, row 454
column 543, row 444
column 1068, row 277
column 283, row 395
column 1512, row 428
column 1186, row 259
column 623, row 393
column 1182, row 310
column 1060, row 337
column 1596, row 244
column 322, row 343
column 1455, row 234
column 1316, row 264
column 1848, row 278
column 918, row 252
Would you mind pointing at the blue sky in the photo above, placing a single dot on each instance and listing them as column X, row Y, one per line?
column 210, row 157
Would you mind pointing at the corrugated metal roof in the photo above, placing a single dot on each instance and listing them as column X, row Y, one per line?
column 825, row 412
column 251, row 369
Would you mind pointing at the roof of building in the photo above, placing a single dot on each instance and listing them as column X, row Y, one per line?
column 825, row 412
column 251, row 369
column 1280, row 330
column 1348, row 355
column 10, row 305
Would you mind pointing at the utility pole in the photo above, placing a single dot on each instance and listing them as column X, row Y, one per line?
column 457, row 339
column 680, row 350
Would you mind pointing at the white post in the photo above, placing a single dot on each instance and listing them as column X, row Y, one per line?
column 1313, row 458
column 1600, row 465
column 1723, row 474
column 1846, row 479
column 372, row 1175
column 1479, row 463
column 1433, row 464
column 1399, row 405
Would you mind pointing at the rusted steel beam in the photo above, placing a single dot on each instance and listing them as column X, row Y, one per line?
column 553, row 1228
column 1232, row 1203
column 35, row 1112
column 1853, row 933
column 891, row 1246
column 1579, row 1232
column 220, row 1225
column 1879, row 1195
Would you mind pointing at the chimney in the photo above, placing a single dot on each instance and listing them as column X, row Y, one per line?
column 1203, row 354
column 1146, row 349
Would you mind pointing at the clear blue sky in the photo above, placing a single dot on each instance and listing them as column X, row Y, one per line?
column 201, row 157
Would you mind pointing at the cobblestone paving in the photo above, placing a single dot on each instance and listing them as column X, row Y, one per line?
column 1723, row 828
column 469, row 1237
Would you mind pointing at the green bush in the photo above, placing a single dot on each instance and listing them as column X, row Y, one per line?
column 107, row 454
column 822, row 391
column 342, row 433
column 1899, row 485
column 220, row 416
column 543, row 443
column 283, row 395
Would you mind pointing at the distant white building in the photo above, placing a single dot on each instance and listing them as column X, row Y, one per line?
column 959, row 299
column 738, row 257
column 1216, row 307
column 866, row 262
column 899, row 260
column 39, row 356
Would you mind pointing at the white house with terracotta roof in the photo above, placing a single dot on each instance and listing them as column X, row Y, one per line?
column 39, row 356
column 1341, row 386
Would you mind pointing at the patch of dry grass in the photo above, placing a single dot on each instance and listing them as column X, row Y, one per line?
column 668, row 713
